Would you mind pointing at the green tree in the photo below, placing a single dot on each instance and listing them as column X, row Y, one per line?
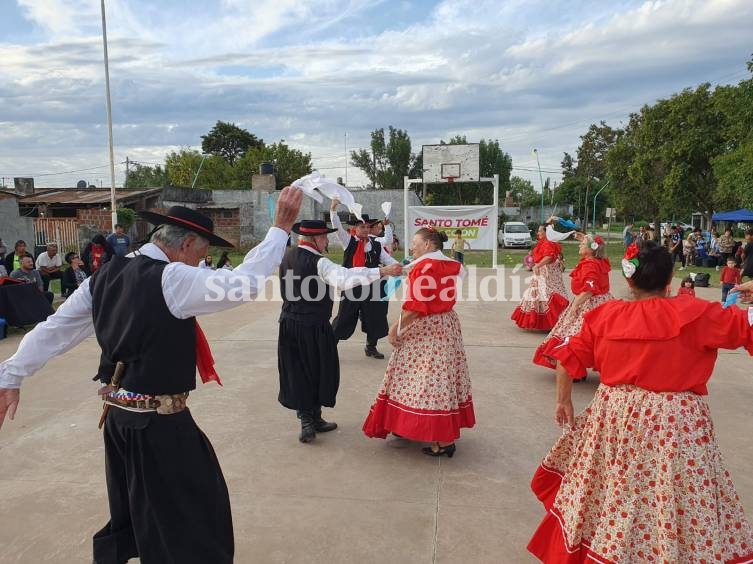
column 229, row 141
column 523, row 192
column 145, row 176
column 290, row 164
column 184, row 165
column 388, row 161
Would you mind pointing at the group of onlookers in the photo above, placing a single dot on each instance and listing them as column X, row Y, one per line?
column 20, row 264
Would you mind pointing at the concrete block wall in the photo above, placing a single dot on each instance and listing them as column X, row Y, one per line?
column 12, row 226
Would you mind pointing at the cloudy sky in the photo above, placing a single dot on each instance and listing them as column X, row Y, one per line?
column 531, row 73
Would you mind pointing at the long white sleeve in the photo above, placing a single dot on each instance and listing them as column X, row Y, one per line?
column 388, row 236
column 66, row 328
column 342, row 235
column 191, row 291
column 345, row 278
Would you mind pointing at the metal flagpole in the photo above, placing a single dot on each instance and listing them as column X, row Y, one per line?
column 113, row 203
column 541, row 180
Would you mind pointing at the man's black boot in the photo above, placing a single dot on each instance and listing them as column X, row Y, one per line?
column 371, row 350
column 308, row 428
column 320, row 425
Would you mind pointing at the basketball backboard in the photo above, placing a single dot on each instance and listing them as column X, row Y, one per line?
column 451, row 163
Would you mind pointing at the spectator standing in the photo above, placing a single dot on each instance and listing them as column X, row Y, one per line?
column 729, row 277
column 748, row 254
column 627, row 235
column 675, row 247
column 13, row 260
column 96, row 253
column 727, row 245
column 119, row 241
column 49, row 264
column 74, row 275
column 459, row 245
column 27, row 274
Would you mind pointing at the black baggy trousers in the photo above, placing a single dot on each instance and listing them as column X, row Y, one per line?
column 168, row 498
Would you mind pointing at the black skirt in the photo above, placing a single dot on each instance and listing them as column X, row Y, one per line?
column 308, row 364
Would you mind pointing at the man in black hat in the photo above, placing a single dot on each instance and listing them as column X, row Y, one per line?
column 364, row 302
column 307, row 349
column 168, row 498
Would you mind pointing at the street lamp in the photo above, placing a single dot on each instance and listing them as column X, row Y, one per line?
column 113, row 203
column 541, row 180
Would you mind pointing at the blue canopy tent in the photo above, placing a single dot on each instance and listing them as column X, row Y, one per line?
column 743, row 215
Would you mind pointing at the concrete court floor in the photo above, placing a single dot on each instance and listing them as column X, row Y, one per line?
column 344, row 498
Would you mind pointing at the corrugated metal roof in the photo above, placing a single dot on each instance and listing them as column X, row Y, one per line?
column 84, row 197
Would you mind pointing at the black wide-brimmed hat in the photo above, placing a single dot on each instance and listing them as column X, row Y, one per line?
column 187, row 219
column 353, row 220
column 311, row 227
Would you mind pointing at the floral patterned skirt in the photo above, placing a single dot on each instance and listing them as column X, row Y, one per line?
column 569, row 324
column 543, row 301
column 639, row 478
column 426, row 392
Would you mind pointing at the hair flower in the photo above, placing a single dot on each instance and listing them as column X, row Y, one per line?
column 631, row 252
column 594, row 246
column 629, row 267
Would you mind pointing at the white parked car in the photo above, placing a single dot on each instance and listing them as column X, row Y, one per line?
column 514, row 234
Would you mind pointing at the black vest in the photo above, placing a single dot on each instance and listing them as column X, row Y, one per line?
column 306, row 298
column 372, row 256
column 134, row 325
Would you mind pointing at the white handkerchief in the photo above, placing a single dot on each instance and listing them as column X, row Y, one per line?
column 387, row 208
column 555, row 236
column 315, row 185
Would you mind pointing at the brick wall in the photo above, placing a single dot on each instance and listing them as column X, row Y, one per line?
column 95, row 217
column 227, row 223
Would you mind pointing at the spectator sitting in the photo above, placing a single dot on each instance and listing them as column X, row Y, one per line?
column 119, row 241
column 206, row 262
column 73, row 276
column 727, row 244
column 48, row 264
column 28, row 275
column 13, row 260
column 224, row 262
column 714, row 251
column 96, row 253
column 3, row 272
column 687, row 287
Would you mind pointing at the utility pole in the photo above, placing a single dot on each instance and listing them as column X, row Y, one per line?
column 541, row 180
column 126, row 176
column 346, row 159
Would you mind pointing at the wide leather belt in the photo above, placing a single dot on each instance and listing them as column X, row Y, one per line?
column 165, row 404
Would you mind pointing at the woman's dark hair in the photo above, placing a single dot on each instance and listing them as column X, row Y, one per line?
column 458, row 232
column 224, row 259
column 99, row 240
column 435, row 237
column 69, row 257
column 655, row 267
column 688, row 279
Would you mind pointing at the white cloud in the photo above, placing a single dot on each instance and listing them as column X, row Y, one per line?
column 529, row 73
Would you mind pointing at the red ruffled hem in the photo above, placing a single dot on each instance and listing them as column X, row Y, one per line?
column 535, row 321
column 543, row 355
column 387, row 416
column 548, row 543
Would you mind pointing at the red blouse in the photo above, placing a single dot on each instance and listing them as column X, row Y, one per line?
column 546, row 248
column 591, row 275
column 659, row 344
column 683, row 291
column 432, row 286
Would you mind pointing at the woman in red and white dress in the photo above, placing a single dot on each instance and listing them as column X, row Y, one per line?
column 638, row 475
column 590, row 285
column 546, row 297
column 426, row 392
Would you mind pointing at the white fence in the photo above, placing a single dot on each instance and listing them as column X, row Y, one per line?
column 64, row 232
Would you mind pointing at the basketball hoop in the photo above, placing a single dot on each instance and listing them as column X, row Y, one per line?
column 451, row 179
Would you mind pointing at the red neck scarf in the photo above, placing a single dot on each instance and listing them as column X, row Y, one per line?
column 359, row 257
column 309, row 245
column 204, row 358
